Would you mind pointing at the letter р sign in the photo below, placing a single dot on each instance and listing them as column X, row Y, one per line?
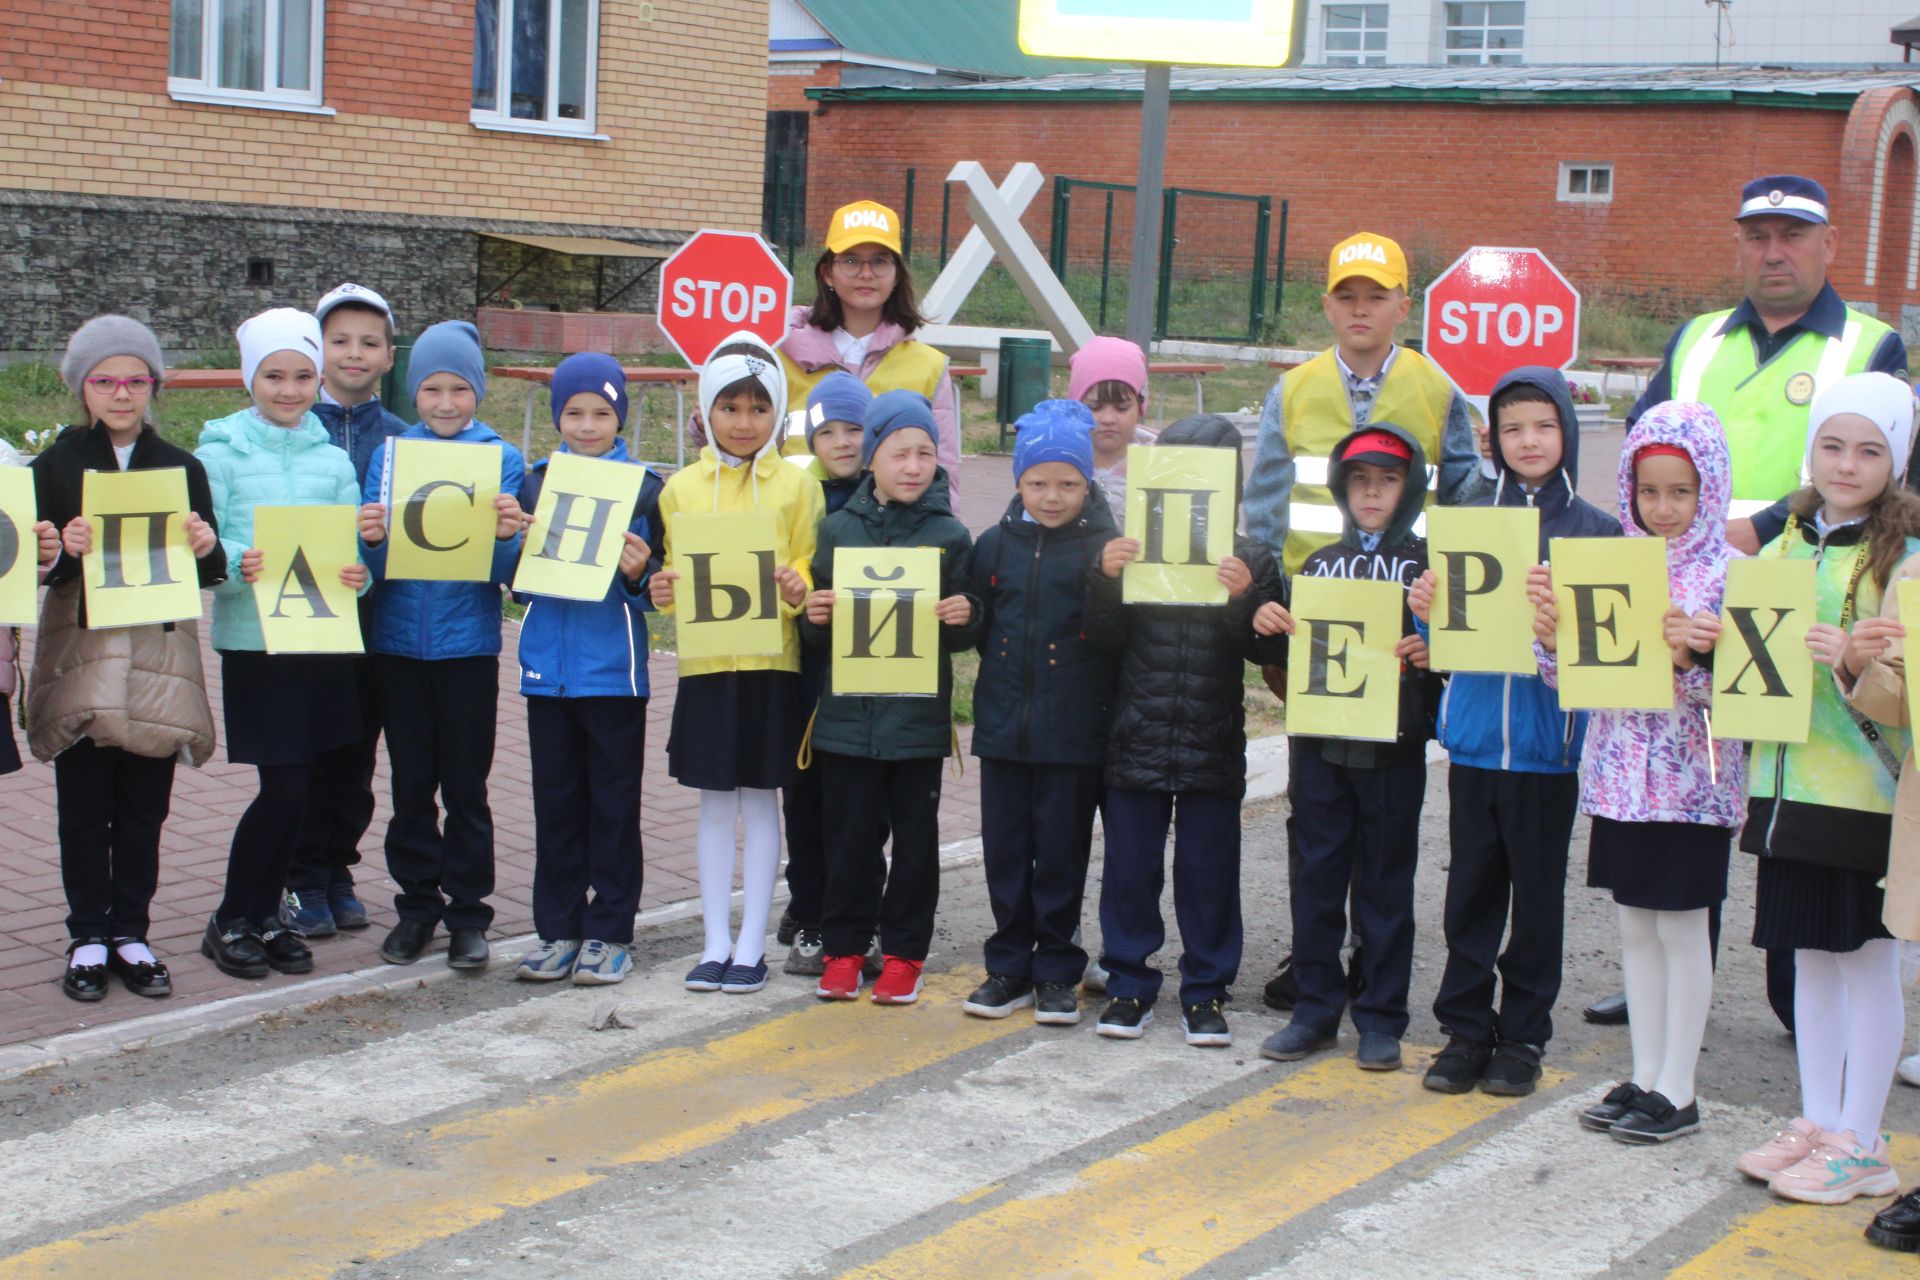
column 1496, row 309
column 718, row 283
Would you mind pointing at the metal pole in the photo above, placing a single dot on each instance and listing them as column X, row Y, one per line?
column 906, row 219
column 1106, row 259
column 946, row 208
column 1144, row 270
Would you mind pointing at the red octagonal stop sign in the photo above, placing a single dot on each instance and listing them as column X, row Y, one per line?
column 718, row 283
column 1496, row 309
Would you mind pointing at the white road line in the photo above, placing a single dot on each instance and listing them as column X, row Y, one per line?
column 164, row 1146
column 1590, row 1201
column 855, row 1174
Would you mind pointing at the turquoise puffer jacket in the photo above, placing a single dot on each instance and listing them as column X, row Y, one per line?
column 250, row 462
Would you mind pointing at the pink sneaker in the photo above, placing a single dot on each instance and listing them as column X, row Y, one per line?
column 1837, row 1170
column 1782, row 1151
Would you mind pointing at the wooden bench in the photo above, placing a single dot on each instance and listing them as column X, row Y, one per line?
column 645, row 375
column 203, row 380
column 1629, row 365
column 1184, row 369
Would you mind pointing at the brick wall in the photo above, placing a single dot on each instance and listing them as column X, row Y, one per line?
column 84, row 109
column 1438, row 177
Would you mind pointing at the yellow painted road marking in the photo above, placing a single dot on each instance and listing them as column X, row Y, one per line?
column 1787, row 1239
column 315, row 1221
column 1175, row 1203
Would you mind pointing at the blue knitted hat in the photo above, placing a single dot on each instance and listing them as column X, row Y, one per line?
column 893, row 411
column 452, row 346
column 1054, row 431
column 838, row 397
column 594, row 372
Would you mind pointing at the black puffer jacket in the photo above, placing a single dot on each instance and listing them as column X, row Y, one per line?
column 1044, row 691
column 1179, row 717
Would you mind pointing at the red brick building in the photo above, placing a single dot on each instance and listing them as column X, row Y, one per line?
column 1625, row 176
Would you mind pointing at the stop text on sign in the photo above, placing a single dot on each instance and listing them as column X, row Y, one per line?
column 727, row 300
column 1512, row 324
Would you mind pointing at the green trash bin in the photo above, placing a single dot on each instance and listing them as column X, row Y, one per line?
column 393, row 386
column 1026, row 378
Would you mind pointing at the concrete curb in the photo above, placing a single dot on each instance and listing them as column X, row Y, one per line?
column 1266, row 779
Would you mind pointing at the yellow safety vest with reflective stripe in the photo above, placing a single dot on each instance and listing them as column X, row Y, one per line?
column 1763, row 407
column 909, row 366
column 1314, row 406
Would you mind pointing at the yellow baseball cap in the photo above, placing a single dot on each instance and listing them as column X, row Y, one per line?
column 863, row 222
column 1366, row 254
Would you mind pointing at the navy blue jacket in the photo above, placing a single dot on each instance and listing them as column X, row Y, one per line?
column 1514, row 722
column 1044, row 694
column 814, row 662
column 360, row 430
column 591, row 648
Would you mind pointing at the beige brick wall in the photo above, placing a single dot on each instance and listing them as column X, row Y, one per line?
column 682, row 99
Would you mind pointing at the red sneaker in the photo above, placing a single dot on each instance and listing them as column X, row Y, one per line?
column 841, row 979
column 899, row 981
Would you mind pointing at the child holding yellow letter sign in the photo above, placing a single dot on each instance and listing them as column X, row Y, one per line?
column 113, row 768
column 1821, row 814
column 880, row 757
column 1355, row 824
column 436, row 659
column 1664, row 796
column 736, row 719
column 282, row 710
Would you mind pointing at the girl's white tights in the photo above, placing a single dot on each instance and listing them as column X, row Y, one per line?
column 1667, row 962
column 1849, row 1021
column 759, row 811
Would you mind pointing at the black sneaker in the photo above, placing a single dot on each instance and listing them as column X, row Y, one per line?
column 1655, row 1119
column 1282, row 990
column 286, row 951
column 1604, row 1114
column 1055, row 1004
column 1459, row 1066
column 788, row 927
column 1514, row 1071
column 1125, row 1019
column 1898, row 1225
column 999, row 996
column 1205, row 1024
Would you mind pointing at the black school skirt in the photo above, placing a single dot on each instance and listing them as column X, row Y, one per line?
column 288, row 708
column 1800, row 905
column 736, row 729
column 1659, row 866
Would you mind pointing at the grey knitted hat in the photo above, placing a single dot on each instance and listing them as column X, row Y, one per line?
column 103, row 338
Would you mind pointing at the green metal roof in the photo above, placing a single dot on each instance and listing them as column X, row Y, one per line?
column 1812, row 87
column 956, row 35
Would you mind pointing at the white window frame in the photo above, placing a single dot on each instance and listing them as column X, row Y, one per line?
column 207, row 87
column 1361, row 57
column 1568, row 195
column 502, row 119
column 1484, row 55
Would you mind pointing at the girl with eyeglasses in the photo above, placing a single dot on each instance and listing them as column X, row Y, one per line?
column 114, row 708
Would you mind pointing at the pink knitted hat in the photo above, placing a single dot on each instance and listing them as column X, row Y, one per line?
column 1107, row 360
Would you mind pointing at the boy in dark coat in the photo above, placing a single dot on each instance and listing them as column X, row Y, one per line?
column 1177, row 753
column 1040, row 715
column 1354, row 821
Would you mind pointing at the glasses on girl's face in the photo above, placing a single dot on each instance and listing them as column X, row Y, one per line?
column 853, row 264
column 103, row 385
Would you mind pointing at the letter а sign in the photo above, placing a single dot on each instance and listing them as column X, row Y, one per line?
column 1496, row 309
column 718, row 283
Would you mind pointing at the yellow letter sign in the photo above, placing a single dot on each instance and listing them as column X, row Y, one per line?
column 573, row 546
column 140, row 569
column 1481, row 620
column 1180, row 510
column 886, row 639
column 19, row 548
column 440, row 516
column 725, row 602
column 304, row 607
column 1762, row 669
column 1612, row 645
column 1343, row 680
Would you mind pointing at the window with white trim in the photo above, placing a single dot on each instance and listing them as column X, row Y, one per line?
column 1582, row 182
column 535, row 64
column 1354, row 35
column 1482, row 33
column 265, row 53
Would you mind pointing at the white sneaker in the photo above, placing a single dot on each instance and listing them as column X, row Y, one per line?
column 1909, row 1069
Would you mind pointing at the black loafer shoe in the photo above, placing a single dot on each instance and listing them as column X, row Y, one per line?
column 235, row 950
column 1898, row 1225
column 1610, row 1110
column 286, row 951
column 1607, row 1011
column 148, row 978
column 1654, row 1119
column 467, row 949
column 85, row 982
column 408, row 939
